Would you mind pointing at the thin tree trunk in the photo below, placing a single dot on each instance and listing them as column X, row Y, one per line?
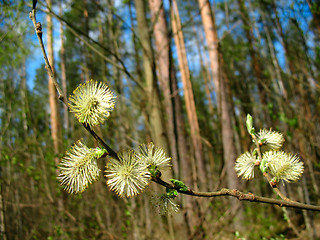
column 275, row 62
column 255, row 61
column 54, row 110
column 224, row 106
column 229, row 150
column 209, row 26
column 63, row 73
column 87, row 56
column 155, row 117
column 204, row 67
column 308, row 217
column 3, row 234
column 24, row 104
column 53, row 100
column 162, row 56
column 188, row 94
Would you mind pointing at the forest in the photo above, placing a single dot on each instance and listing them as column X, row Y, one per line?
column 151, row 119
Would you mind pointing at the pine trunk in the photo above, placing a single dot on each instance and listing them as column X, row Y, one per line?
column 163, row 59
column 224, row 106
column 209, row 26
column 155, row 117
column 54, row 110
column 63, row 73
column 262, row 81
column 53, row 99
column 199, row 167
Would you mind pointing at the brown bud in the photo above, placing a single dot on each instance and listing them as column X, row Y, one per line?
column 273, row 182
column 38, row 27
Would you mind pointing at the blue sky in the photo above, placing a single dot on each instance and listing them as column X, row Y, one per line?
column 303, row 16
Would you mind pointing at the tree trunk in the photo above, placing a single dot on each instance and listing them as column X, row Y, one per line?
column 188, row 94
column 63, row 73
column 275, row 62
column 229, row 150
column 175, row 122
column 54, row 110
column 262, row 81
column 203, row 65
column 24, row 102
column 53, row 100
column 209, row 26
column 155, row 117
column 162, row 57
column 224, row 106
column 3, row 234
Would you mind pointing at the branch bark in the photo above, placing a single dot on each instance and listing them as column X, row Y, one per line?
column 240, row 196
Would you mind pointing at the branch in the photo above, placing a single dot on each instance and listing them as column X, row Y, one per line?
column 266, row 175
column 111, row 153
column 223, row 192
column 85, row 39
column 38, row 29
column 241, row 196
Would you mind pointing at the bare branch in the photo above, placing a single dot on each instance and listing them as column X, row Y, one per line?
column 38, row 29
column 85, row 39
column 241, row 196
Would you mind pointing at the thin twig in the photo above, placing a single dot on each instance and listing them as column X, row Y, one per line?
column 86, row 40
column 38, row 29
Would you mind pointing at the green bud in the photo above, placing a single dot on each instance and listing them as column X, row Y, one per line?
column 263, row 167
column 99, row 152
column 155, row 172
column 255, row 152
column 180, row 184
column 171, row 193
column 249, row 123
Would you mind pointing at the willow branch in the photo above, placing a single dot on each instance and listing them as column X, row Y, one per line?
column 38, row 30
column 240, row 196
column 86, row 40
column 223, row 192
column 111, row 153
